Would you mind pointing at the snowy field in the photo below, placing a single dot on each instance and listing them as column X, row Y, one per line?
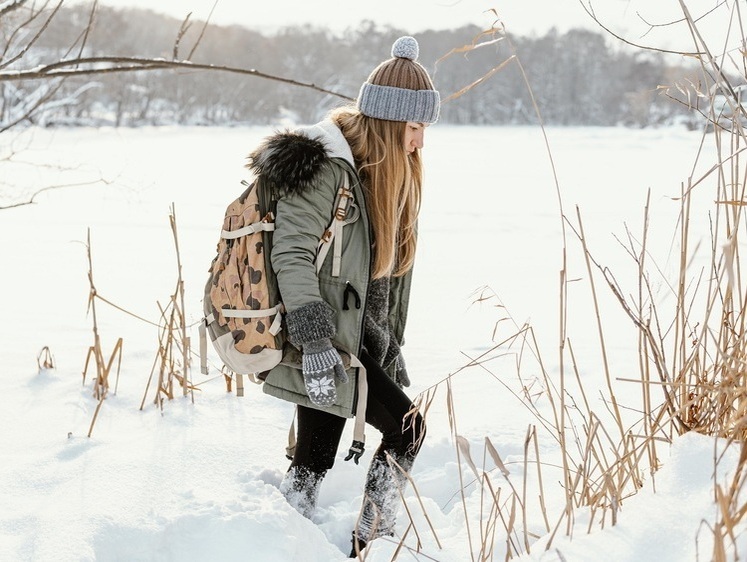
column 197, row 481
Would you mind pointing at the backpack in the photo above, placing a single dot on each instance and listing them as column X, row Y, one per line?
column 242, row 307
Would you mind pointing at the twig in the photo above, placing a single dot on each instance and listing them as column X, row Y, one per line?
column 31, row 201
column 588, row 9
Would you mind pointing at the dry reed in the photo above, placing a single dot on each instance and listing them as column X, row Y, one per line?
column 103, row 368
column 45, row 359
column 172, row 361
column 173, row 357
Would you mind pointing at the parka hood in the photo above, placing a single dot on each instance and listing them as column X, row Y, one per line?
column 290, row 160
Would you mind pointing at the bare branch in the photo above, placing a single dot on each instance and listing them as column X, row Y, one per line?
column 11, row 7
column 589, row 10
column 675, row 22
column 20, row 27
column 28, row 113
column 186, row 24
column 89, row 27
column 38, row 34
column 202, row 32
column 112, row 65
column 31, row 200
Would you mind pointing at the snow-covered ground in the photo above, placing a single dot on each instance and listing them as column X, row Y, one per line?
column 198, row 480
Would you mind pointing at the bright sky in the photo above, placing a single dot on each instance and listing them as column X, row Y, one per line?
column 412, row 15
column 641, row 21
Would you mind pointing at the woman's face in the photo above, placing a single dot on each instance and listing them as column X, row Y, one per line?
column 414, row 133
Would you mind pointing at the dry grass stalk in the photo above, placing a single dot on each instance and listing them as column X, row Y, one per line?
column 395, row 466
column 173, row 356
column 731, row 511
column 103, row 386
column 45, row 359
column 486, row 38
column 539, row 479
column 698, row 348
column 167, row 366
column 229, row 381
column 165, row 362
column 103, row 368
column 591, row 478
column 598, row 474
column 454, row 432
column 150, row 379
column 497, row 510
column 172, row 361
column 183, row 340
column 228, row 377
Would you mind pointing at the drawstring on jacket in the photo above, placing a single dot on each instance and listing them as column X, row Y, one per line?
column 349, row 289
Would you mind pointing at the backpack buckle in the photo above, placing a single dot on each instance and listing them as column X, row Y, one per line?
column 345, row 199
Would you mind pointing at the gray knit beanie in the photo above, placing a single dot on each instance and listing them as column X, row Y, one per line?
column 399, row 89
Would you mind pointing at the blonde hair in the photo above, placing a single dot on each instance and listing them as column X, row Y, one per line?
column 392, row 180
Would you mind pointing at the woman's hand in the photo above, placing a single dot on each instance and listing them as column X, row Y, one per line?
column 322, row 364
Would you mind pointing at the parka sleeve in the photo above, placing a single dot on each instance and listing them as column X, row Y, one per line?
column 302, row 218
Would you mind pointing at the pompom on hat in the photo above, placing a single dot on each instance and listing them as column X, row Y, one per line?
column 399, row 89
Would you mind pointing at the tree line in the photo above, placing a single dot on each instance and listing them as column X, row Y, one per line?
column 574, row 78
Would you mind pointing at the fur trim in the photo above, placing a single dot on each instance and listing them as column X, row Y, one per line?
column 289, row 161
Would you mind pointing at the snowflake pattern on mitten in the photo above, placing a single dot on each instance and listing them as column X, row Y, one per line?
column 321, row 388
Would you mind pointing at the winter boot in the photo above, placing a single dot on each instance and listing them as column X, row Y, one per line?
column 381, row 500
column 358, row 546
column 300, row 486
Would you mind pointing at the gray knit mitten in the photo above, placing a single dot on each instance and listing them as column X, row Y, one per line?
column 321, row 364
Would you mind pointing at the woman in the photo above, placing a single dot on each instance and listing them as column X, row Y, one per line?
column 355, row 307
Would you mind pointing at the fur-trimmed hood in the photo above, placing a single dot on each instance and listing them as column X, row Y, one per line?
column 290, row 160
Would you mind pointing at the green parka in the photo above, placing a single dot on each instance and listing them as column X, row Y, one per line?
column 305, row 168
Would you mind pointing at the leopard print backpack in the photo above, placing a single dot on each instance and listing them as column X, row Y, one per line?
column 243, row 313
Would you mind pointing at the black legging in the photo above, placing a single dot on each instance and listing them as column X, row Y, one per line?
column 319, row 432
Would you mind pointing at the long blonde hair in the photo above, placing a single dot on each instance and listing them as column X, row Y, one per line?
column 392, row 180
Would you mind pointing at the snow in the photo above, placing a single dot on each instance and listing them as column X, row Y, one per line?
column 198, row 479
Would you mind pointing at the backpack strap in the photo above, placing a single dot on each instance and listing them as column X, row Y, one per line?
column 343, row 202
column 203, row 346
column 359, row 429
column 263, row 225
column 276, row 311
column 359, row 433
column 275, row 327
column 290, row 450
